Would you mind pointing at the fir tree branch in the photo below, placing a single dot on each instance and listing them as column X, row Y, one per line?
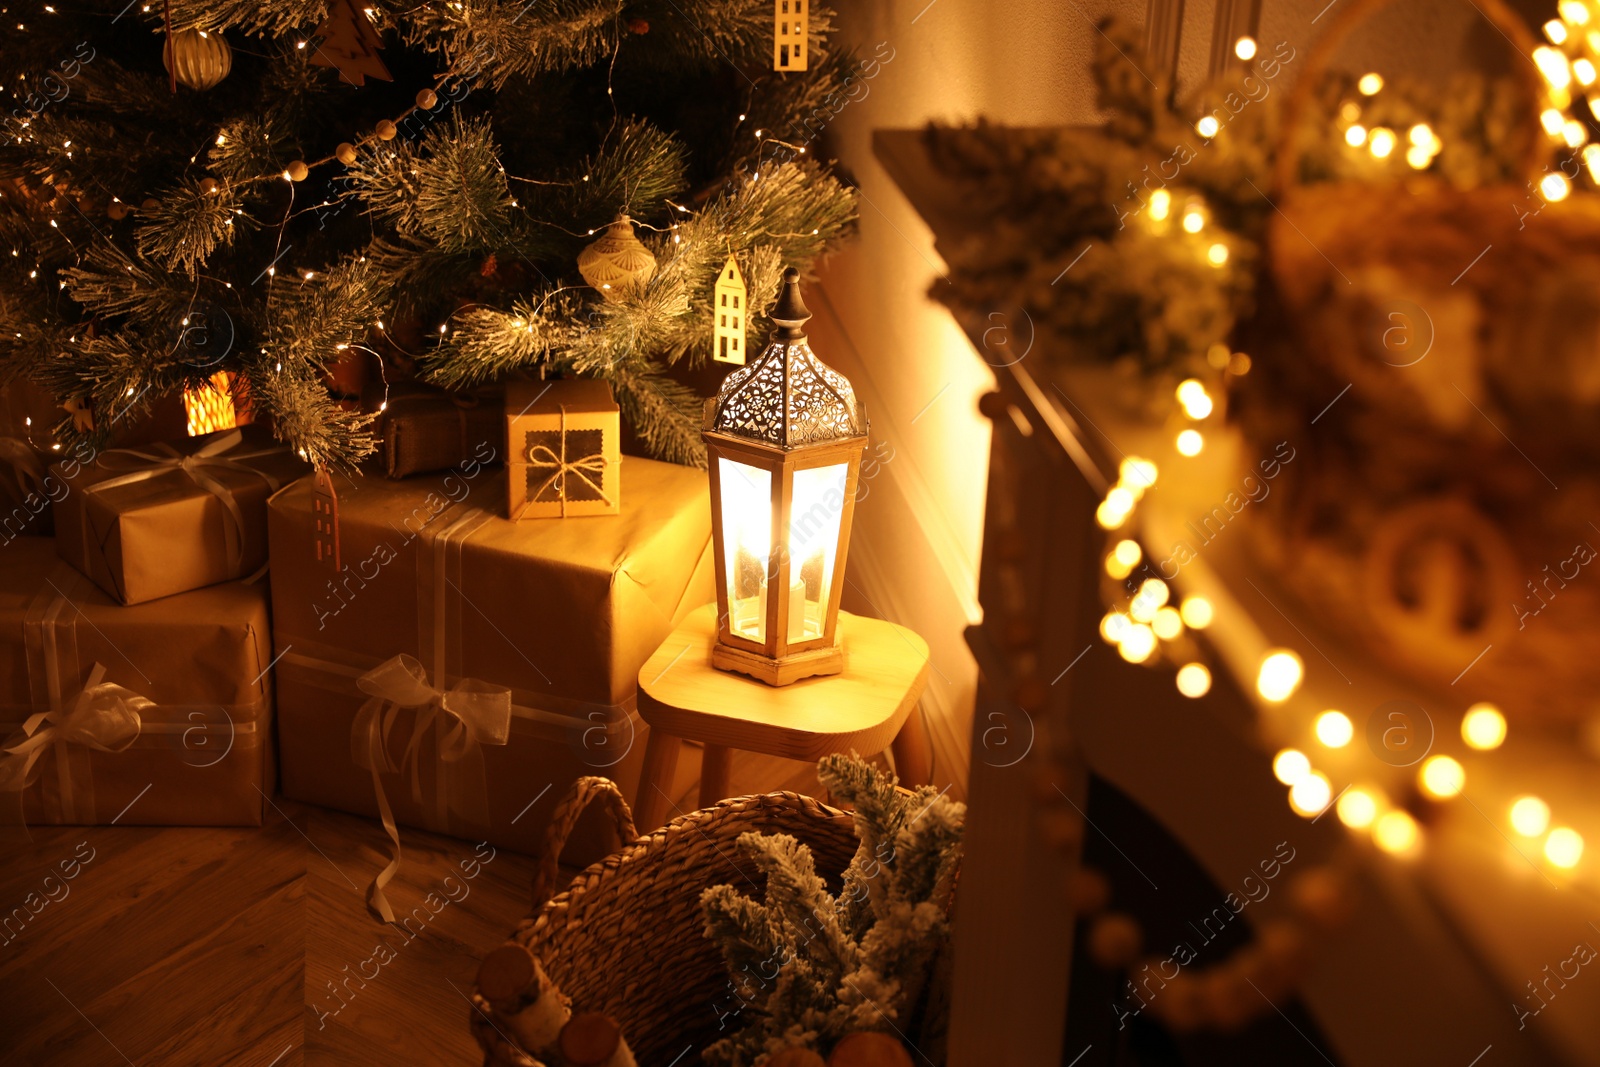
column 186, row 224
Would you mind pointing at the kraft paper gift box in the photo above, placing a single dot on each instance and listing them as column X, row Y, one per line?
column 524, row 643
column 429, row 429
column 565, row 446
column 158, row 520
column 155, row 715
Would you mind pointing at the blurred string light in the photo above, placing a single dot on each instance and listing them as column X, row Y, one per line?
column 1334, row 729
column 1155, row 623
column 1396, row 833
column 1311, row 794
column 1442, row 777
column 1564, row 847
column 1357, row 808
column 1160, row 205
column 1290, row 765
column 1483, row 727
column 1279, row 676
column 1530, row 816
column 1194, row 680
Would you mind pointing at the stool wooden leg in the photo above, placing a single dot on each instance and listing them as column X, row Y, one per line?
column 655, row 780
column 912, row 760
column 714, row 774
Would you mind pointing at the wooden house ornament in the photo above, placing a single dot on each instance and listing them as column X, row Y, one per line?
column 325, row 513
column 730, row 307
column 791, row 27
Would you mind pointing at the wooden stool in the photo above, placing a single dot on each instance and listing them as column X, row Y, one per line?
column 866, row 708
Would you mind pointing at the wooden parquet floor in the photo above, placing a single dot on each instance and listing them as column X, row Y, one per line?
column 248, row 947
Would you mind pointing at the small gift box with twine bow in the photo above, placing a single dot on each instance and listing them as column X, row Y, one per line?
column 153, row 521
column 563, row 450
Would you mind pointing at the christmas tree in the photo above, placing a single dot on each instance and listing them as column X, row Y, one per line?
column 433, row 223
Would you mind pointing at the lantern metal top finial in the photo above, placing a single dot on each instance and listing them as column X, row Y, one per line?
column 787, row 397
column 791, row 313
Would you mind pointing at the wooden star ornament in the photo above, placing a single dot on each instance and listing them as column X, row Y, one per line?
column 82, row 414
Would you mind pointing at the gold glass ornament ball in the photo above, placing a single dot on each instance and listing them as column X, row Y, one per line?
column 616, row 260
column 197, row 58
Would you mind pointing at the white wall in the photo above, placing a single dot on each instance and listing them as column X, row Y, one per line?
column 918, row 532
column 1018, row 62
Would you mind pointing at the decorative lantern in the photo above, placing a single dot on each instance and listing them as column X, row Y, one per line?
column 208, row 408
column 785, row 436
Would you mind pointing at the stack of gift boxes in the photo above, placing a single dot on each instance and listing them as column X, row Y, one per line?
column 448, row 650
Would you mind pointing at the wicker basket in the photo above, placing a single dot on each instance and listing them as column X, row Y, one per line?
column 1422, row 522
column 626, row 937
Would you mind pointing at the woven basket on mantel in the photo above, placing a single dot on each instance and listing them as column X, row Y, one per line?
column 1450, row 497
column 627, row 937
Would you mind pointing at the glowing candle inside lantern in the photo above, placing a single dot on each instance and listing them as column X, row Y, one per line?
column 747, row 531
column 815, row 510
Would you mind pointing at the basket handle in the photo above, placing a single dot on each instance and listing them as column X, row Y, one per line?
column 565, row 817
column 1286, row 163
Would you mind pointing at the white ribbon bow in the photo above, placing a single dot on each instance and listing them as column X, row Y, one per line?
column 465, row 717
column 105, row 717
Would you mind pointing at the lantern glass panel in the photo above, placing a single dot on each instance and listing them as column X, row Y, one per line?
column 816, row 508
column 747, row 535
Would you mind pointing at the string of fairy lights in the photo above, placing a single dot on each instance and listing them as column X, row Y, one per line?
column 347, row 153
column 1154, row 623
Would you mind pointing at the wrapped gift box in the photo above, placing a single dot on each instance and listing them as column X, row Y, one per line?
column 154, row 521
column 534, row 631
column 427, row 429
column 564, row 443
column 155, row 715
